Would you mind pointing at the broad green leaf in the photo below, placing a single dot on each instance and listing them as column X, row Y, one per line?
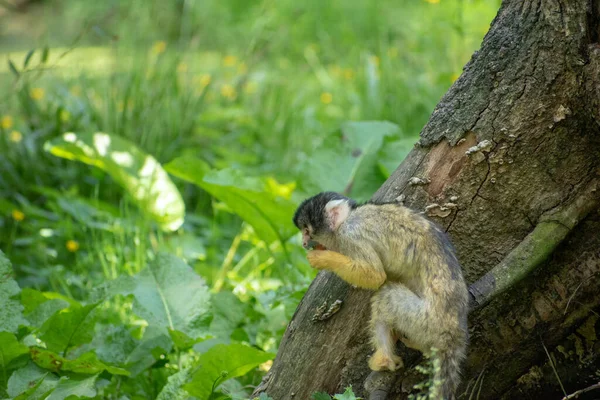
column 173, row 390
column 183, row 341
column 154, row 343
column 10, row 350
column 169, row 294
column 348, row 164
column 347, row 395
column 86, row 363
column 113, row 343
column 223, row 362
column 11, row 310
column 30, row 393
column 252, row 199
column 70, row 327
column 74, row 387
column 320, row 396
column 228, row 312
column 137, row 172
column 391, row 155
column 23, row 380
column 40, row 306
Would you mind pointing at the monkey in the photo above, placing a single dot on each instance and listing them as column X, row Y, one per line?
column 420, row 298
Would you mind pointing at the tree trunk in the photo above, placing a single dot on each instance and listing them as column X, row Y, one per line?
column 512, row 155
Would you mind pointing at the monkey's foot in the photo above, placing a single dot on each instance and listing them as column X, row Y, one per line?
column 381, row 361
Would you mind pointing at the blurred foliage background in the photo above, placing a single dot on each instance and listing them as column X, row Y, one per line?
column 152, row 154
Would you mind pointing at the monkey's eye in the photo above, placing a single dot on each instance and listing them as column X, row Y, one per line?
column 306, row 231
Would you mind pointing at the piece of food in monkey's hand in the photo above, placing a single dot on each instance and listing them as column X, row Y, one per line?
column 313, row 245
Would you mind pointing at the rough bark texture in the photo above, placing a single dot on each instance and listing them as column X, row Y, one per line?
column 531, row 99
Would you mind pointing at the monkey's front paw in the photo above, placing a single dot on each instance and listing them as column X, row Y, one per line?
column 381, row 361
column 318, row 258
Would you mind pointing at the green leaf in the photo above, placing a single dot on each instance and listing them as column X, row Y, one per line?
column 223, row 362
column 13, row 68
column 137, row 172
column 11, row 311
column 320, row 396
column 347, row 395
column 154, row 344
column 113, row 344
column 67, row 328
column 45, row 54
column 250, row 198
column 348, row 164
column 40, row 306
column 10, row 350
column 31, row 382
column 74, row 387
column 28, row 58
column 228, row 312
column 169, row 294
column 173, row 390
column 392, row 153
column 87, row 363
column 181, row 340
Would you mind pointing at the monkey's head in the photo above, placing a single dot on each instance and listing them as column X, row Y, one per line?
column 320, row 216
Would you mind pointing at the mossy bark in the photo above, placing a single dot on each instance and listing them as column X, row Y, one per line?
column 522, row 203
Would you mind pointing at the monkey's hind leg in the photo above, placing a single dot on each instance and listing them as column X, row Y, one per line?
column 384, row 341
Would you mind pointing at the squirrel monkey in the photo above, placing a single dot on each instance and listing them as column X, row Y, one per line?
column 421, row 297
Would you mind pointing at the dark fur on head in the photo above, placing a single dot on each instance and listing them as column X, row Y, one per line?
column 312, row 211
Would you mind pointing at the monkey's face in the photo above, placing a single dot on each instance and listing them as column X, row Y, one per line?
column 317, row 219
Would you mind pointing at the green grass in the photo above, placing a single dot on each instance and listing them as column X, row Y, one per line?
column 261, row 87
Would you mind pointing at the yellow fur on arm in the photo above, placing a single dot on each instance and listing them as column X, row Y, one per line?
column 355, row 272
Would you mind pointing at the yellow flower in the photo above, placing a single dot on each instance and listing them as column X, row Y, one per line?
column 72, row 246
column 18, row 215
column 266, row 366
column 228, row 91
column 229, row 61
column 282, row 190
column 182, row 67
column 159, row 47
column 374, row 60
column 326, row 97
column 6, row 122
column 348, row 74
column 204, row 80
column 37, row 93
column 15, row 136
column 250, row 87
column 432, row 1
column 65, row 116
column 242, row 68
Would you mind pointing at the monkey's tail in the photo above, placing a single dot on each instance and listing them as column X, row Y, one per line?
column 448, row 373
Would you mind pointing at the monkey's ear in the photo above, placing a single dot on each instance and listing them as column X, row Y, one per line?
column 337, row 211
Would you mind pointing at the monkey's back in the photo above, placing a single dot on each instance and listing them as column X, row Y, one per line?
column 415, row 252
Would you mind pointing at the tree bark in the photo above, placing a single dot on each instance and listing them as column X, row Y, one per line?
column 512, row 155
